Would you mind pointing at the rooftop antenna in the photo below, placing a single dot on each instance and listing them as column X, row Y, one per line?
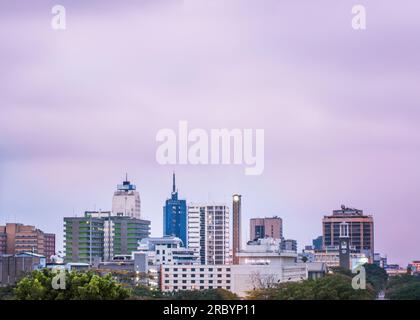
column 173, row 182
column 126, row 176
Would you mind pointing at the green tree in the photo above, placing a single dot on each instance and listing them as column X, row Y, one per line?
column 330, row 287
column 209, row 294
column 404, row 287
column 78, row 286
column 144, row 292
column 376, row 276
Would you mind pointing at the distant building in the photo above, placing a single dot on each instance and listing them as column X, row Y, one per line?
column 83, row 239
column 361, row 231
column 15, row 266
column 167, row 250
column 416, row 265
column 131, row 270
column 16, row 238
column 121, row 233
column 175, row 216
column 208, row 232
column 195, row 277
column 316, row 270
column 288, row 245
column 266, row 228
column 126, row 201
column 380, row 261
column 395, row 270
column 317, row 243
column 111, row 235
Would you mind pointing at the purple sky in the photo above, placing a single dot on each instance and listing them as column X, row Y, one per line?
column 340, row 109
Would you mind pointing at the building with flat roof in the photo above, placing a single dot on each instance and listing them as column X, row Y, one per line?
column 261, row 263
column 121, row 233
column 17, row 237
column 15, row 266
column 208, row 232
column 83, row 239
column 167, row 250
column 266, row 228
column 361, row 230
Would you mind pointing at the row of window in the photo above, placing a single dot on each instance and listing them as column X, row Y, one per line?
column 201, row 281
column 201, row 269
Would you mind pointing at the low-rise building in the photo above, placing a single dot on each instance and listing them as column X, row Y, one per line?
column 167, row 250
column 15, row 266
column 261, row 264
column 17, row 237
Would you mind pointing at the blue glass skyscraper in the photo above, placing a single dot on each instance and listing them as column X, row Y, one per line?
column 175, row 216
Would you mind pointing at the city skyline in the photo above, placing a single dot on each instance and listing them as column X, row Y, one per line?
column 339, row 107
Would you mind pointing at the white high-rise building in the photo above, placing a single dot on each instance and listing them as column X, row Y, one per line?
column 208, row 232
column 126, row 200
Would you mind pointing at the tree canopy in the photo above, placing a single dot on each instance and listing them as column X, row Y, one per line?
column 330, row 287
column 78, row 286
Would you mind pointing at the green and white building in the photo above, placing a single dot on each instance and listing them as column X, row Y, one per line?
column 111, row 235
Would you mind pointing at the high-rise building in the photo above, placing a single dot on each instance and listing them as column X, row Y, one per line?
column 361, row 231
column 208, row 232
column 175, row 215
column 126, row 200
column 17, row 238
column 236, row 222
column 266, row 228
column 121, row 235
column 83, row 239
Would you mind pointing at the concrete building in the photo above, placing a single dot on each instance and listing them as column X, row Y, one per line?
column 83, row 239
column 266, row 228
column 236, row 225
column 316, row 270
column 288, row 245
column 332, row 258
column 126, row 201
column 111, row 235
column 121, row 233
column 14, row 266
column 208, row 232
column 195, row 277
column 261, row 264
column 175, row 215
column 16, row 238
column 317, row 243
column 361, row 230
column 167, row 250
column 130, row 270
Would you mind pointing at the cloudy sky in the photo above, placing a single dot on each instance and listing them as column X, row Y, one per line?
column 340, row 108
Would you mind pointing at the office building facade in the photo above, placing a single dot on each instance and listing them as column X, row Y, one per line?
column 83, row 239
column 175, row 216
column 17, row 238
column 126, row 201
column 361, row 230
column 266, row 228
column 208, row 232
